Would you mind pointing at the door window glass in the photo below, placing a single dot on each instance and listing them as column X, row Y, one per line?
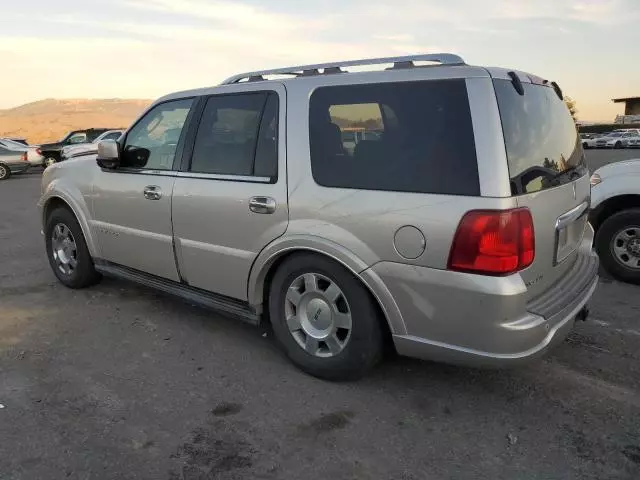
column 237, row 136
column 153, row 141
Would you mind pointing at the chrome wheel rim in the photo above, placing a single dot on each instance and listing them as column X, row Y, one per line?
column 625, row 247
column 318, row 315
column 64, row 249
column 3, row 171
column 49, row 161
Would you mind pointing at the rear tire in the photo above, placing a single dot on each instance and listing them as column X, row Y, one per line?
column 5, row 172
column 618, row 145
column 49, row 161
column 618, row 248
column 67, row 250
column 585, row 145
column 335, row 306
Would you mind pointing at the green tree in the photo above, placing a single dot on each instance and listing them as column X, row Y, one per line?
column 571, row 104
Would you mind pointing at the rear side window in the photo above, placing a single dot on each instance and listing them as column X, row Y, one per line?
column 237, row 136
column 404, row 137
column 542, row 142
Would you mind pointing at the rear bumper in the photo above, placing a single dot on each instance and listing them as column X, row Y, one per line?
column 485, row 321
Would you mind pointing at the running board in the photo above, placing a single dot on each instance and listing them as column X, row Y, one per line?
column 229, row 306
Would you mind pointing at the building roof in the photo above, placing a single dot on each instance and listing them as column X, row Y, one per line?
column 622, row 100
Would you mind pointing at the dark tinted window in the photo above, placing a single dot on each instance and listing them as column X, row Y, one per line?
column 407, row 137
column 543, row 146
column 232, row 137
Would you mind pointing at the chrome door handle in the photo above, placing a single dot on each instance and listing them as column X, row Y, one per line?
column 152, row 192
column 262, row 205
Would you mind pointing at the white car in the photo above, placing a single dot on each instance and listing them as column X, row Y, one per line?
column 590, row 141
column 33, row 155
column 614, row 140
column 615, row 217
column 633, row 141
column 71, row 151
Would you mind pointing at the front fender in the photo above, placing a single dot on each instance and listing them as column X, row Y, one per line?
column 614, row 186
column 301, row 242
column 70, row 194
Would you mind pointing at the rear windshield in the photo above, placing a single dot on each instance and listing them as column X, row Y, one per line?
column 542, row 142
column 403, row 137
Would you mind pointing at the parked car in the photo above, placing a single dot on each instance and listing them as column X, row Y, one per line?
column 12, row 162
column 615, row 216
column 33, row 157
column 432, row 234
column 72, row 151
column 52, row 151
column 613, row 140
column 589, row 139
column 633, row 141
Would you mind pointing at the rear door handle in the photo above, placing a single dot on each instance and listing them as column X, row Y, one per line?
column 152, row 192
column 263, row 205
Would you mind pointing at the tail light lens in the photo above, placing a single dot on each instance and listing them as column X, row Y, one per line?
column 38, row 151
column 493, row 242
column 24, row 157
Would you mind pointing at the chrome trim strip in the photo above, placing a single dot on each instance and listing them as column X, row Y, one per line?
column 215, row 176
column 571, row 216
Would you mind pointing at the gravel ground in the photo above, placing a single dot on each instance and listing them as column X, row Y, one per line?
column 120, row 382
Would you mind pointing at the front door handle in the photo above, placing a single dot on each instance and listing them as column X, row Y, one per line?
column 152, row 192
column 264, row 205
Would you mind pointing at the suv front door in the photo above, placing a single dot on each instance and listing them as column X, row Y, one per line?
column 132, row 204
column 230, row 201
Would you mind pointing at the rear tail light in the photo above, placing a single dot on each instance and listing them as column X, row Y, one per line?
column 493, row 242
column 24, row 157
column 38, row 151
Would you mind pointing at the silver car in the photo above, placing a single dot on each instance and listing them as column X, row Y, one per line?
column 33, row 156
column 457, row 230
column 12, row 162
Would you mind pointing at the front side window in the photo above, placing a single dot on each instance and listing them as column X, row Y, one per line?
column 237, row 136
column 153, row 141
column 112, row 136
column 404, row 137
column 78, row 138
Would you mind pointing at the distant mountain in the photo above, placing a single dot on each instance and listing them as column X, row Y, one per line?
column 48, row 120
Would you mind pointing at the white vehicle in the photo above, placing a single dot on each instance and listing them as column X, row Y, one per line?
column 617, row 139
column 71, row 151
column 33, row 156
column 589, row 139
column 615, row 216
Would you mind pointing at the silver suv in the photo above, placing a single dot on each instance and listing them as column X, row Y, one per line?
column 457, row 228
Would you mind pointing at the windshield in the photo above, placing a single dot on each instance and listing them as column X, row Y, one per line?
column 541, row 138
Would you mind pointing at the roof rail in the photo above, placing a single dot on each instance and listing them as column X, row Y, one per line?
column 334, row 67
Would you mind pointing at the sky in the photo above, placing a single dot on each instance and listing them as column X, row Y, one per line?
column 147, row 48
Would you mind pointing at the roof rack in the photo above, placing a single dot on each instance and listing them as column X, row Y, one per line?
column 336, row 67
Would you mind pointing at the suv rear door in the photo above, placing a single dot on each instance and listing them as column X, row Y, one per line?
column 548, row 175
column 230, row 199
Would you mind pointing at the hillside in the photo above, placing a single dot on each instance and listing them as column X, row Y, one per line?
column 48, row 120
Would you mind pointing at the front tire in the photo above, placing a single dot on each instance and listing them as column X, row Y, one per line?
column 67, row 250
column 5, row 172
column 49, row 161
column 618, row 145
column 618, row 245
column 324, row 318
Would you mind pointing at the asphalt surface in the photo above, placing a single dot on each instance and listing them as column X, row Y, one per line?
column 120, row 382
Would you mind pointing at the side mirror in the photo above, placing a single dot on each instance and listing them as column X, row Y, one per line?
column 108, row 154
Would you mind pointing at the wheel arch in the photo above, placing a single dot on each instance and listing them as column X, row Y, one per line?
column 60, row 200
column 611, row 206
column 273, row 256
